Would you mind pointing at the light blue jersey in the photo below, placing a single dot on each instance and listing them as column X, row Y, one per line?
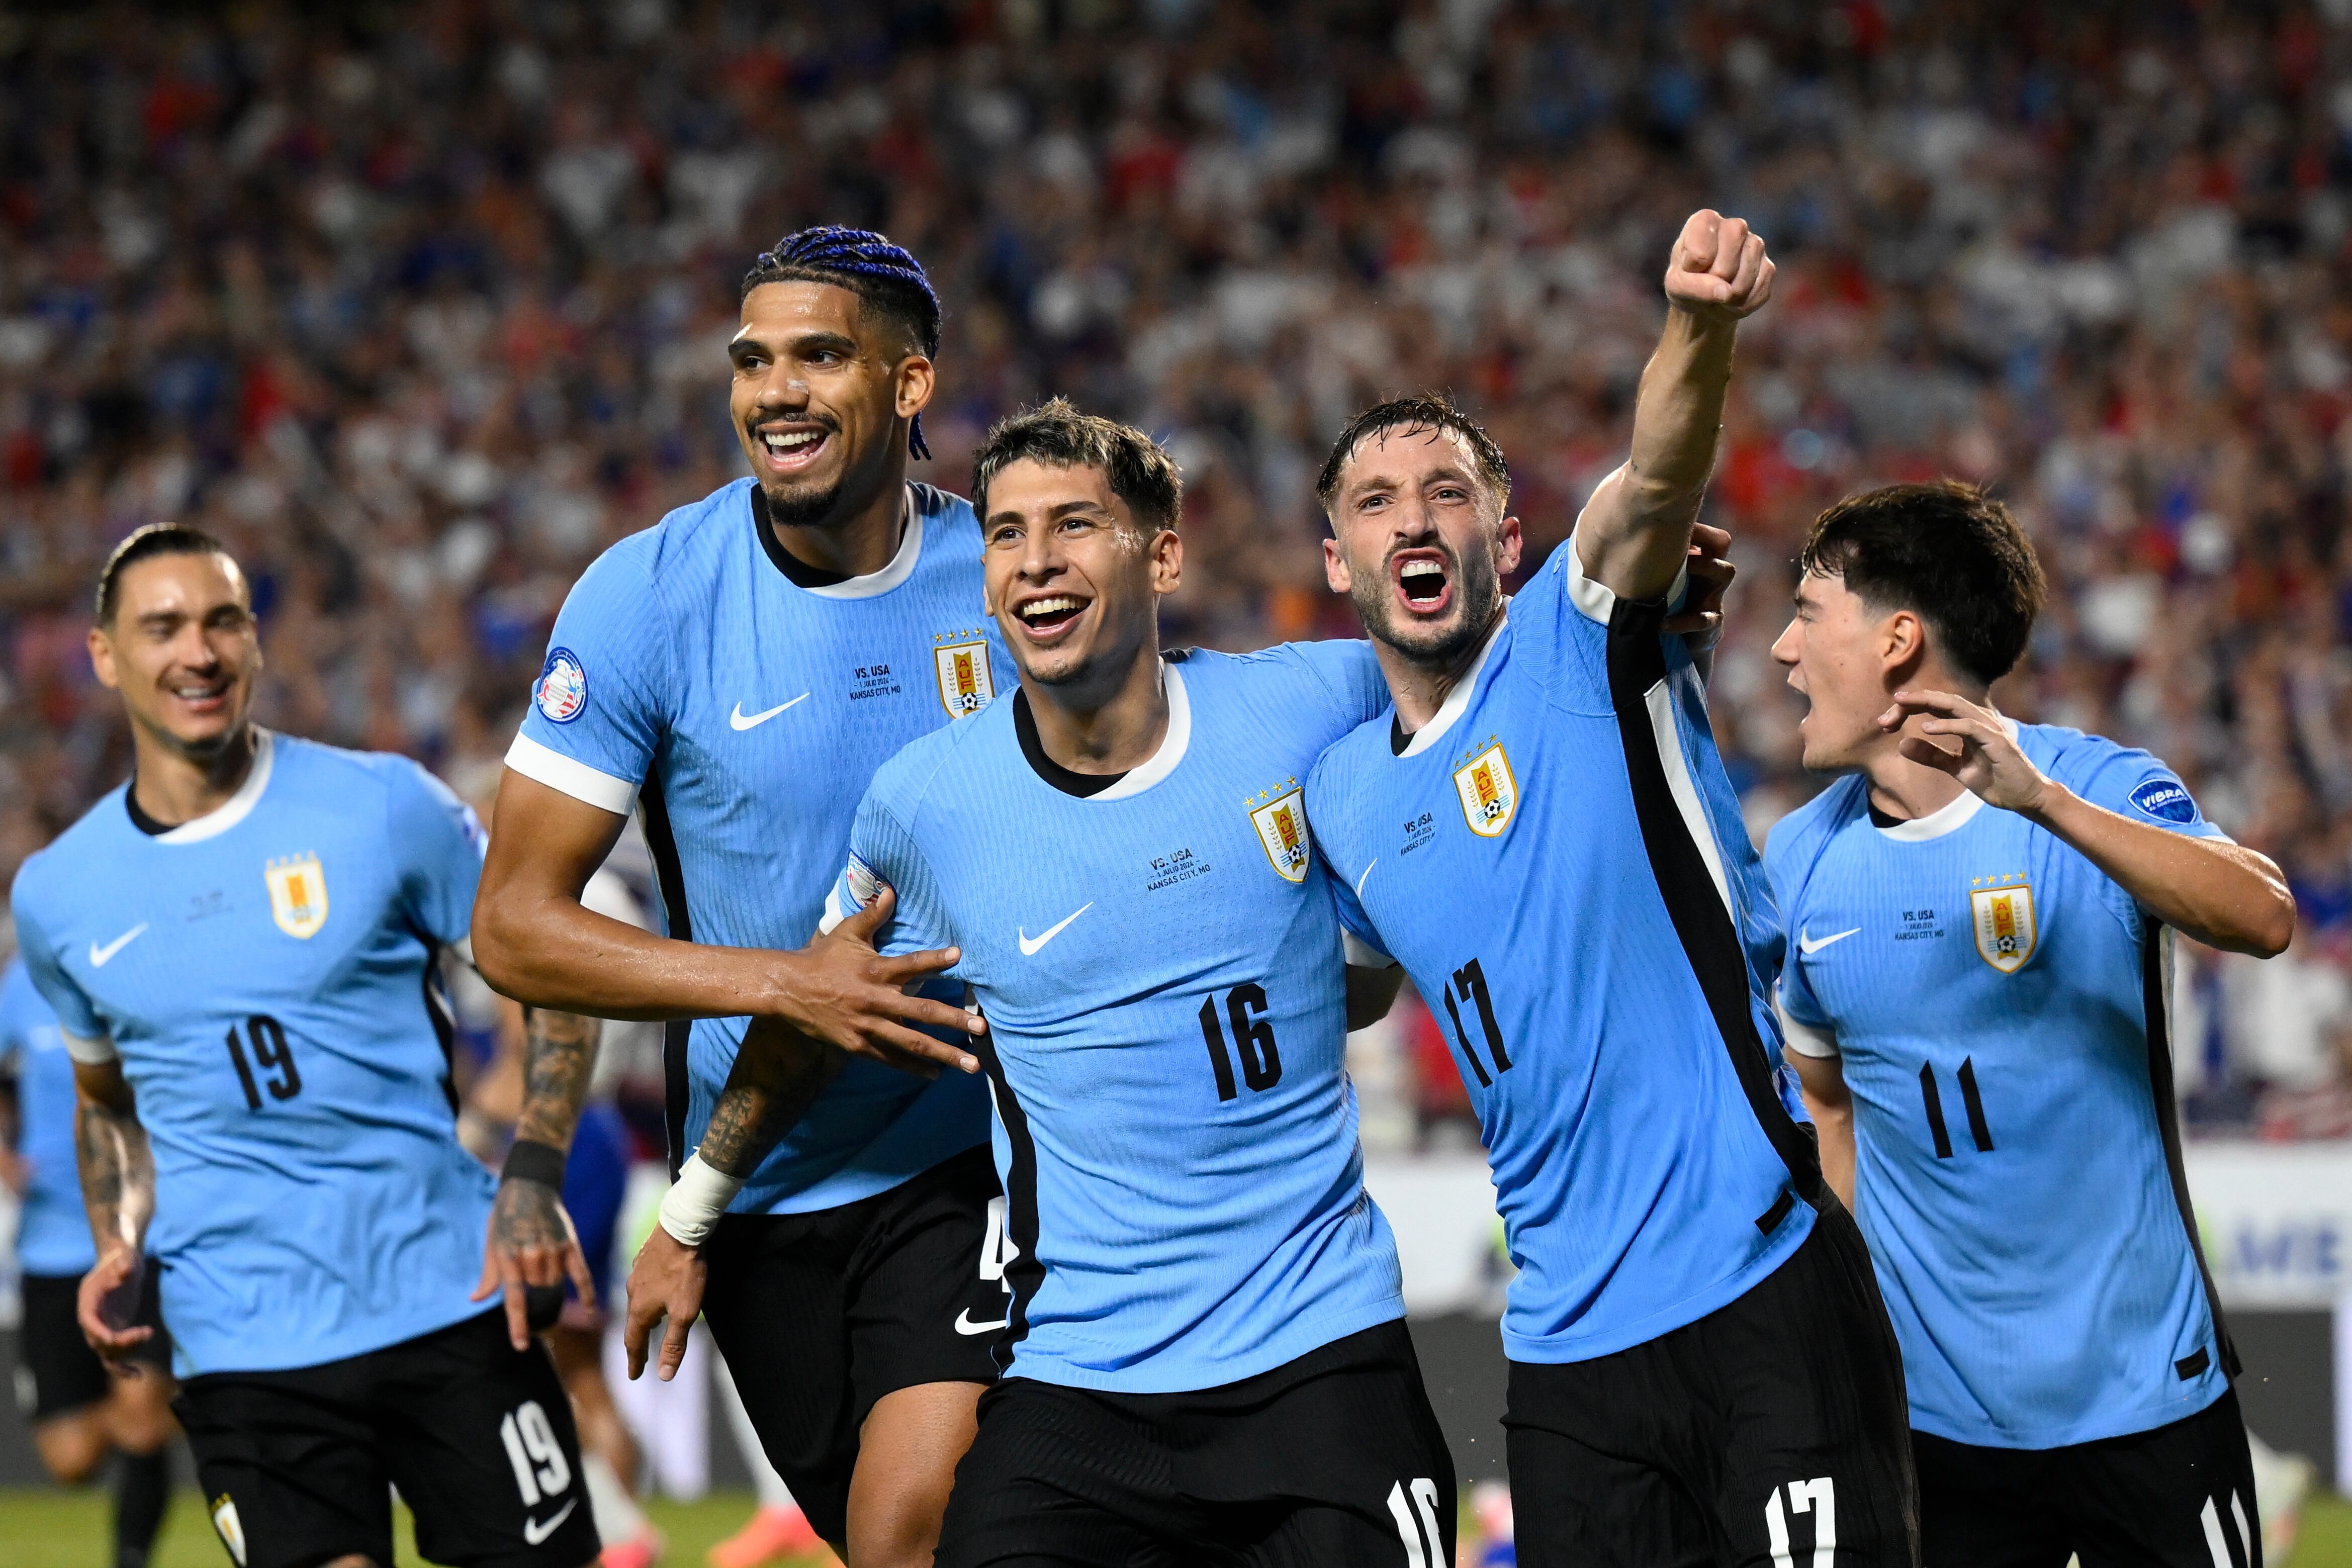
column 1161, row 968
column 52, row 1230
column 1558, row 860
column 267, row 974
column 1999, row 1002
column 690, row 675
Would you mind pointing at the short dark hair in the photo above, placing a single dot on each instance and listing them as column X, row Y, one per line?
column 1945, row 550
column 1140, row 471
column 145, row 544
column 885, row 278
column 1420, row 411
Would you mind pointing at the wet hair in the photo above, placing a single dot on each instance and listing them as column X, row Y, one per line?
column 1141, row 474
column 1420, row 411
column 1947, row 551
column 886, row 280
column 145, row 544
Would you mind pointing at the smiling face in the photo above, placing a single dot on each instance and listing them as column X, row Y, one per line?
column 1846, row 659
column 183, row 650
column 1420, row 542
column 1073, row 578
column 822, row 390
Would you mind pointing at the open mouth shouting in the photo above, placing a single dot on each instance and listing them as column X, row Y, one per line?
column 788, row 447
column 1047, row 618
column 1424, row 579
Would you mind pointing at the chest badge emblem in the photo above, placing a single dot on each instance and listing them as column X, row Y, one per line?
column 2006, row 930
column 965, row 684
column 1281, row 824
column 1489, row 794
column 298, row 894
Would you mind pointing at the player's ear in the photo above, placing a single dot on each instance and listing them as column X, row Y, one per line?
column 1902, row 641
column 1510, row 540
column 1334, row 569
column 101, row 659
column 916, row 381
column 1167, row 549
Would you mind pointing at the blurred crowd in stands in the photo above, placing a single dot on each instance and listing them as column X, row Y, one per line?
column 421, row 306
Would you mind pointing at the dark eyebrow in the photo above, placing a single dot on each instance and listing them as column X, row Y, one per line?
column 800, row 342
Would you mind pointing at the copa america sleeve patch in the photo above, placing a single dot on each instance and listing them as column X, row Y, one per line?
column 2166, row 800
column 562, row 686
column 863, row 883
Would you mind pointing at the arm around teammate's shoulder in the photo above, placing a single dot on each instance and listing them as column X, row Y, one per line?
column 2199, row 882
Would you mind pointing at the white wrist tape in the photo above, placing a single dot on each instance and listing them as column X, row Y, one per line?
column 691, row 1210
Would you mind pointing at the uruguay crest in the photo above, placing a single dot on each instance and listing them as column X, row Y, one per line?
column 229, row 1526
column 298, row 894
column 1281, row 825
column 2005, row 928
column 965, row 686
column 1489, row 794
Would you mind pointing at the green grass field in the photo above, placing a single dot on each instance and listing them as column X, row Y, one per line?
column 53, row 1528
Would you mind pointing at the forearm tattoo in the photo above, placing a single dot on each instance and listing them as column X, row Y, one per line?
column 118, row 1172
column 777, row 1076
column 558, row 1053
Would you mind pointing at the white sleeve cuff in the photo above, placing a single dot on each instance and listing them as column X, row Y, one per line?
column 691, row 1210
column 1362, row 954
column 571, row 777
column 90, row 1051
column 1803, row 1037
column 1596, row 600
column 832, row 915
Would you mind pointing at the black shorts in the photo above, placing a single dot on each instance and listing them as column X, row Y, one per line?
column 56, row 1372
column 1773, row 1430
column 819, row 1315
column 297, row 1466
column 1332, row 1460
column 2181, row 1496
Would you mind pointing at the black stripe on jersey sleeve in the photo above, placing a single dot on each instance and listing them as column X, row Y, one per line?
column 1026, row 1272
column 677, row 1034
column 1637, row 662
column 2159, row 1004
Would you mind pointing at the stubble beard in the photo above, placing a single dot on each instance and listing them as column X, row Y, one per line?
column 1477, row 589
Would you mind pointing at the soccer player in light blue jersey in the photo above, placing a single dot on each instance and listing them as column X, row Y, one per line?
column 1979, row 915
column 735, row 675
column 79, row 1413
column 242, row 947
column 1541, row 832
column 1200, row 1310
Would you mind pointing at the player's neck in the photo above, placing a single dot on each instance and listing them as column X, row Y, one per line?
column 1899, row 786
column 1111, row 726
column 861, row 539
column 174, row 785
column 1420, row 687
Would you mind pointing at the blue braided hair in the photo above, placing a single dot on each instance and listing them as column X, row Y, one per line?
column 880, row 273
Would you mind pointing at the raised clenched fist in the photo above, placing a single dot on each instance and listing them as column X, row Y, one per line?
column 1718, row 267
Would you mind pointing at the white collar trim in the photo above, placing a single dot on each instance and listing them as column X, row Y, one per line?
column 1172, row 745
column 1458, row 701
column 901, row 566
column 238, row 807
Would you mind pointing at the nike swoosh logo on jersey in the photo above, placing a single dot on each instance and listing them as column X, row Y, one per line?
column 742, row 720
column 98, row 955
column 1366, row 877
column 533, row 1532
column 1029, row 944
column 1812, row 947
column 963, row 1324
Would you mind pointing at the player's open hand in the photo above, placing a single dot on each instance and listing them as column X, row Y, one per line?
column 1711, row 571
column 1718, row 268
column 1968, row 741
column 107, row 1303
column 532, row 1247
column 664, row 1283
column 847, row 995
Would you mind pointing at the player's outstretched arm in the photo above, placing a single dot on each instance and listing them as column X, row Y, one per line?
column 2223, row 894
column 118, row 1188
column 1832, row 1107
column 1636, row 531
column 534, row 941
column 532, row 1247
